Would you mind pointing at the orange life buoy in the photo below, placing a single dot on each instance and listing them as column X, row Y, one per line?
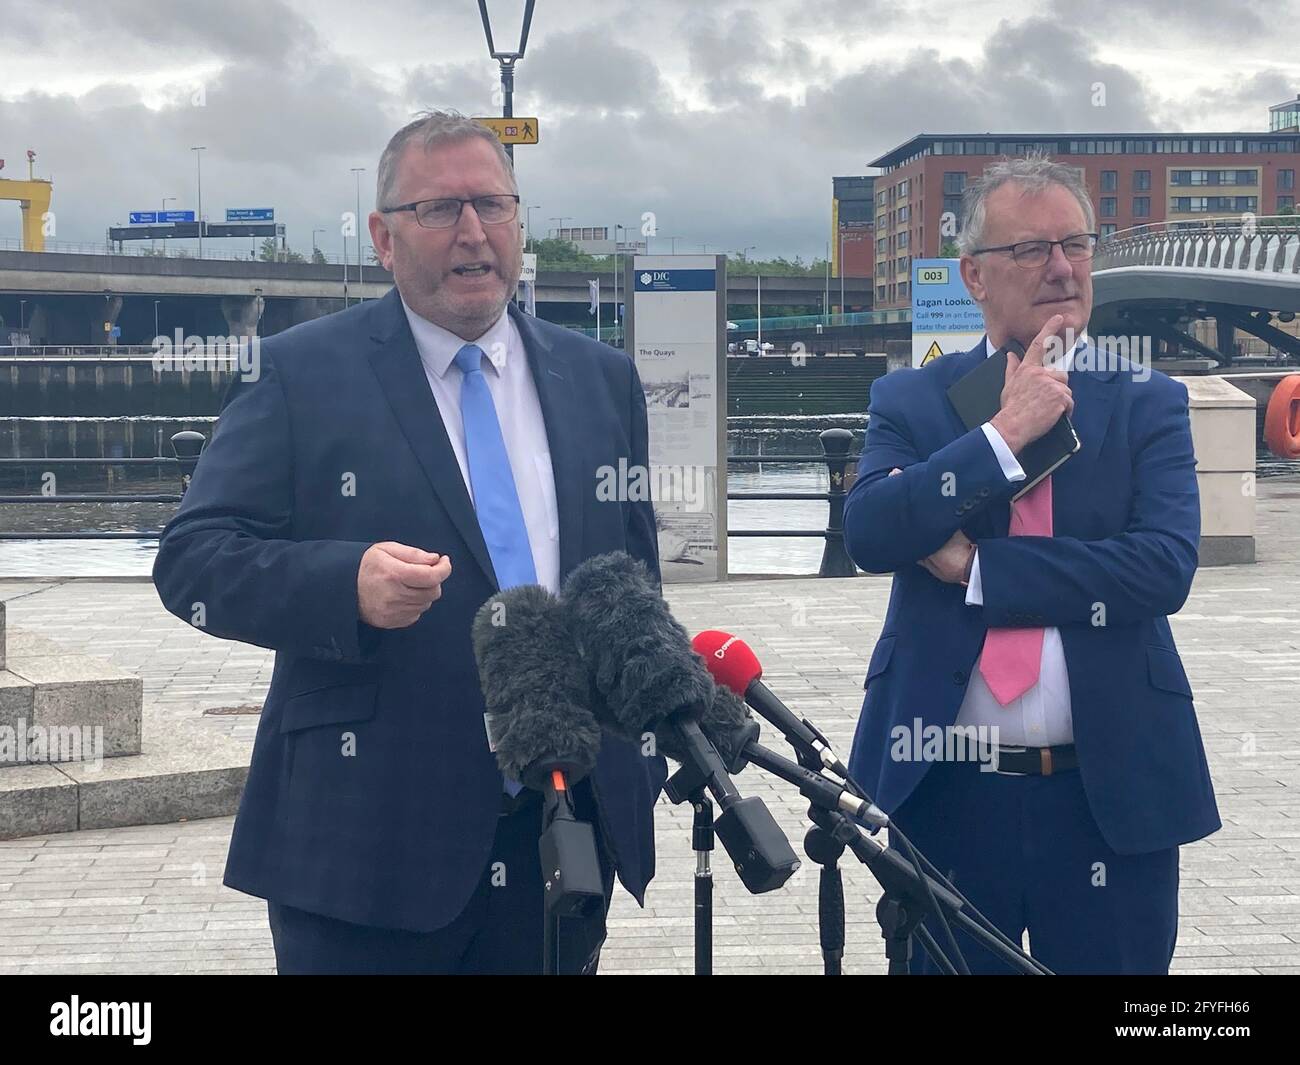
column 1282, row 419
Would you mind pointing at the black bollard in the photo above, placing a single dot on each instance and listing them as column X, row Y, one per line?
column 187, row 444
column 835, row 556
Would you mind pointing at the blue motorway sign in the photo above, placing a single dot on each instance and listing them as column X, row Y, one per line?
column 175, row 216
column 250, row 214
column 143, row 218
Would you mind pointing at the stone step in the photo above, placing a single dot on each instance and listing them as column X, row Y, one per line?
column 186, row 770
column 49, row 698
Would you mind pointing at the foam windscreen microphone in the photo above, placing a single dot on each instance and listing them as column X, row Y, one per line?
column 544, row 736
column 535, row 688
column 645, row 677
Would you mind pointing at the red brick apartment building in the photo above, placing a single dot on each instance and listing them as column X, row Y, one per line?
column 1134, row 179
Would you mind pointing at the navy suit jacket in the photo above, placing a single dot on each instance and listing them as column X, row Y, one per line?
column 1126, row 524
column 267, row 542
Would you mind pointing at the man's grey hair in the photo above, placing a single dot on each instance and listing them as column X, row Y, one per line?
column 1034, row 173
column 432, row 128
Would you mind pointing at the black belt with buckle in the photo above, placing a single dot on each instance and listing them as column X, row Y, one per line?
column 1035, row 761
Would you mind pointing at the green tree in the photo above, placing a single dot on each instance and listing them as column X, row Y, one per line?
column 949, row 250
column 318, row 257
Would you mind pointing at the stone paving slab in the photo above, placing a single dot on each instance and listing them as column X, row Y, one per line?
column 150, row 899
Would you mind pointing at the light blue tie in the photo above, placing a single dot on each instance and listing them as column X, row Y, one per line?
column 496, row 502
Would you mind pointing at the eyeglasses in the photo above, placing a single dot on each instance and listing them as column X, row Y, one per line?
column 1078, row 248
column 445, row 213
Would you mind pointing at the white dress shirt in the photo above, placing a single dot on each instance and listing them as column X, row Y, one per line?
column 514, row 393
column 1041, row 717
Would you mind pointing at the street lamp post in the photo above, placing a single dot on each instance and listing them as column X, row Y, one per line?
column 155, row 317
column 528, row 222
column 314, row 247
column 198, row 168
column 22, row 314
column 359, row 170
column 507, row 61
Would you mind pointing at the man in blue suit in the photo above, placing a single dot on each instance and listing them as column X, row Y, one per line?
column 1039, row 626
column 391, row 468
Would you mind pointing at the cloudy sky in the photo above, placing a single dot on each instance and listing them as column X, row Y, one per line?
column 725, row 119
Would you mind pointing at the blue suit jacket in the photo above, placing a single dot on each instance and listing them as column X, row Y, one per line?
column 1126, row 519
column 269, row 543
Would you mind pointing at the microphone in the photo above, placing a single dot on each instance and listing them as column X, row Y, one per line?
column 733, row 664
column 646, row 678
column 541, row 730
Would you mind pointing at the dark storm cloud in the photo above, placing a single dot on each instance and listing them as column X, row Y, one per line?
column 1254, row 94
column 734, row 56
column 725, row 121
column 249, row 29
column 586, row 70
column 1207, row 20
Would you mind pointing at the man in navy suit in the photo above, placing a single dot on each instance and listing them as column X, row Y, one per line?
column 1040, row 626
column 391, row 468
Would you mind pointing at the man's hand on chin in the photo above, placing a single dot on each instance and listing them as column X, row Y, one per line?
column 951, row 563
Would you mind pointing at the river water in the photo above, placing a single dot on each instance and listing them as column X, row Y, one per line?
column 747, row 555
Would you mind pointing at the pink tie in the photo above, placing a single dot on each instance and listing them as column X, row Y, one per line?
column 1012, row 657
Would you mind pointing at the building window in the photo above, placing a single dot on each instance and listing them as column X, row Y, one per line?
column 902, row 189
column 954, row 182
column 880, row 293
column 1141, row 180
column 1286, row 201
column 1109, row 180
column 1109, row 206
column 902, row 290
column 1141, row 206
column 1286, row 179
column 1107, row 230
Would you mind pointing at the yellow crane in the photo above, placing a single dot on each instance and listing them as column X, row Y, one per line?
column 33, row 196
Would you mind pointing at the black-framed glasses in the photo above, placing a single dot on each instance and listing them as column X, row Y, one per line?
column 1078, row 248
column 444, row 213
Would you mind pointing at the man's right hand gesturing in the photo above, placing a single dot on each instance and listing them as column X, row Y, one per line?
column 1033, row 396
column 397, row 583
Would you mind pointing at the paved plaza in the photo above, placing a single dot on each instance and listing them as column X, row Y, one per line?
column 150, row 900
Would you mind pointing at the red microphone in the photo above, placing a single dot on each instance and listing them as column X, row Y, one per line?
column 734, row 665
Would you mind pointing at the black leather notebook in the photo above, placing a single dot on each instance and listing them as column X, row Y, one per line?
column 978, row 396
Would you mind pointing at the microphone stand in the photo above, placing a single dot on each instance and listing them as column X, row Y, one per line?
column 702, row 844
column 571, row 880
column 824, row 849
column 688, row 785
column 907, row 898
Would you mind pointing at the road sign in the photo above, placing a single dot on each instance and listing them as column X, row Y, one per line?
column 944, row 317
column 143, row 218
column 512, row 130
column 175, row 216
column 250, row 214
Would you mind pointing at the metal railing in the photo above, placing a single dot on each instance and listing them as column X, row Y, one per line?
column 77, row 351
column 835, row 453
column 188, row 444
column 141, row 249
column 1268, row 244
